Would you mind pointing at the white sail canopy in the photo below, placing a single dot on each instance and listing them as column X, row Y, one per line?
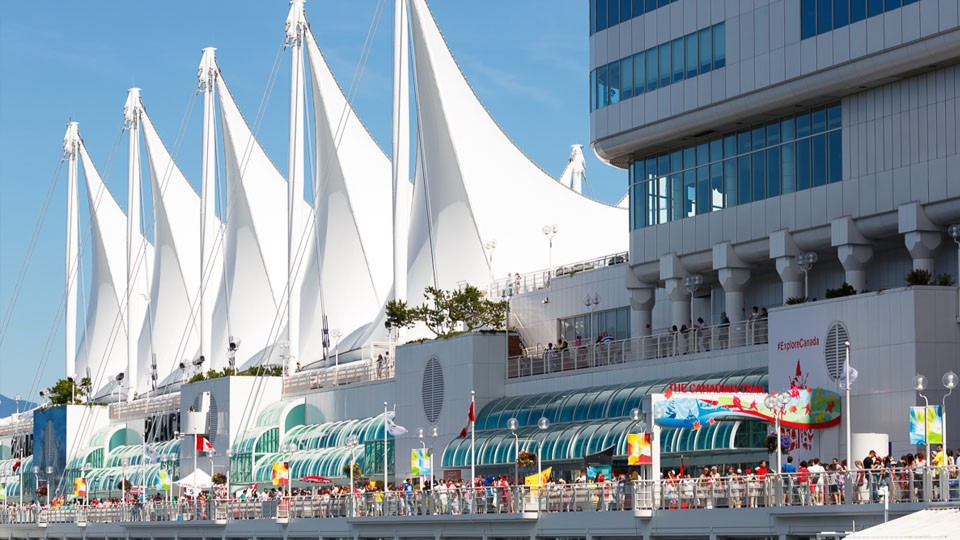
column 474, row 186
column 102, row 350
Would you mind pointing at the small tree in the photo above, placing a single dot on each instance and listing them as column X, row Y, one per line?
column 399, row 315
column 68, row 391
column 468, row 306
column 919, row 277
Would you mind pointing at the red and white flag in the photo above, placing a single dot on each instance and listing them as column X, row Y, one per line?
column 203, row 445
column 470, row 419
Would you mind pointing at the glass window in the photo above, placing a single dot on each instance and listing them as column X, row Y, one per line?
column 664, row 64
column 729, row 145
column 892, row 4
column 663, row 164
column 758, row 137
column 613, row 13
column 638, row 74
column 808, row 18
column 651, row 170
column 703, row 190
column 773, row 171
column 788, row 168
column 803, row 164
column 637, row 8
column 613, row 78
column 730, row 183
column 716, row 187
column 706, row 57
column 676, row 161
column 676, row 48
column 676, row 197
column 716, row 150
column 824, row 16
column 689, row 192
column 650, row 5
column 743, row 179
column 593, row 90
column 874, row 7
column 803, row 125
column 625, row 10
column 841, row 13
column 689, row 157
column 834, row 116
column 593, row 16
column 651, row 69
column 773, row 133
column 719, row 46
column 759, row 174
column 858, row 10
column 691, row 55
column 818, row 154
column 787, row 129
column 743, row 142
column 602, row 90
column 834, row 156
column 601, row 15
column 626, row 78
column 703, row 154
column 818, row 121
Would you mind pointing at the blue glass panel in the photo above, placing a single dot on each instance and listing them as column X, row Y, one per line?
column 706, row 44
column 676, row 51
column 834, row 116
column 593, row 16
column 626, row 78
column 663, row 3
column 650, row 5
column 874, row 7
column 613, row 78
column 891, row 4
column 703, row 190
column 818, row 153
column 689, row 157
column 743, row 142
column 824, row 16
column 788, row 167
column 637, row 8
column 676, row 161
column 703, row 154
column 729, row 145
column 664, row 53
column 773, row 133
column 803, row 125
column 808, row 18
column 689, row 192
column 758, row 136
column 663, row 164
column 603, row 91
column 834, row 156
column 613, row 13
column 730, row 182
column 691, row 49
column 651, row 69
column 601, row 15
column 676, row 197
column 787, row 129
column 759, row 174
column 716, row 150
column 803, row 164
column 638, row 74
column 858, row 10
column 719, row 46
column 625, row 10
column 818, row 121
column 773, row 171
column 841, row 13
column 717, row 194
column 743, row 179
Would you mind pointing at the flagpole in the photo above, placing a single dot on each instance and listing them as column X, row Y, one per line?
column 846, row 384
column 473, row 437
column 384, row 447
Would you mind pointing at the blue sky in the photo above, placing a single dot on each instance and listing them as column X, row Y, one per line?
column 527, row 60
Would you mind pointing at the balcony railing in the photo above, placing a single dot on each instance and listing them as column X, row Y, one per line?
column 351, row 373
column 643, row 497
column 522, row 283
column 539, row 361
column 145, row 406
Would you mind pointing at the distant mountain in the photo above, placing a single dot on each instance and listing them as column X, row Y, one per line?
column 8, row 406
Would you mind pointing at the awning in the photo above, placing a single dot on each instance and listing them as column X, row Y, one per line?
column 934, row 523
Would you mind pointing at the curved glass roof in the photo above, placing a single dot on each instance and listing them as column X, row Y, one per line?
column 332, row 434
column 328, row 462
column 248, row 443
column 6, row 466
column 108, row 478
column 167, row 450
column 597, row 403
column 91, row 455
column 272, row 413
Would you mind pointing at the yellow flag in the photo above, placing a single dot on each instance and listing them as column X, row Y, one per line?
column 532, row 479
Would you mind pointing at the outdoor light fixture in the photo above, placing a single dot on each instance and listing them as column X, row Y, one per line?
column 806, row 262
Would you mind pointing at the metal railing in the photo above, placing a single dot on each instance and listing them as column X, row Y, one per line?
column 145, row 406
column 539, row 361
column 349, row 373
column 540, row 279
column 887, row 486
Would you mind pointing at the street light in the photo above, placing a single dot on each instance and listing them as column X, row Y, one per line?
column 229, row 470
column 637, row 421
column 291, row 448
column 512, row 425
column 550, row 231
column 806, row 262
column 776, row 403
column 692, row 283
column 949, row 381
column 920, row 384
column 123, row 480
column 352, row 441
column 36, row 483
column 543, row 424
column 49, row 473
column 87, row 467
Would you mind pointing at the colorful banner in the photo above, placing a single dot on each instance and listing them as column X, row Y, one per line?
column 79, row 487
column 593, row 470
column 544, row 478
column 807, row 407
column 639, row 449
column 420, row 462
column 934, row 424
column 3, row 492
column 163, row 481
column 280, row 474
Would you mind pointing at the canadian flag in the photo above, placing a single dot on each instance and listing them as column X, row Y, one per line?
column 203, row 445
column 470, row 419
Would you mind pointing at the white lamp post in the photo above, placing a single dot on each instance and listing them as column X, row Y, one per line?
column 776, row 404
column 87, row 467
column 543, row 424
column 950, row 381
column 36, row 483
column 806, row 262
column 638, row 422
column 336, row 334
column 229, row 470
column 123, row 481
column 512, row 425
column 550, row 231
column 692, row 283
column 352, row 441
column 920, row 384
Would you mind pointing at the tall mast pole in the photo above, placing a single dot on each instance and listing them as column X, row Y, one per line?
column 401, row 148
column 71, row 147
column 209, row 225
column 131, row 117
column 296, row 27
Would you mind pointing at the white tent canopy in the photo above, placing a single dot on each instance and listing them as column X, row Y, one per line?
column 930, row 524
column 197, row 479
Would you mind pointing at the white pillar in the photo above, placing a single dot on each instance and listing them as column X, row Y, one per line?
column 642, row 300
column 853, row 250
column 921, row 236
column 71, row 146
column 209, row 224
column 135, row 259
column 784, row 251
column 401, row 149
column 296, row 26
column 672, row 273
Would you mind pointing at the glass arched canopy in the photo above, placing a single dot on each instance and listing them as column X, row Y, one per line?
column 328, row 462
column 333, row 434
column 167, row 450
